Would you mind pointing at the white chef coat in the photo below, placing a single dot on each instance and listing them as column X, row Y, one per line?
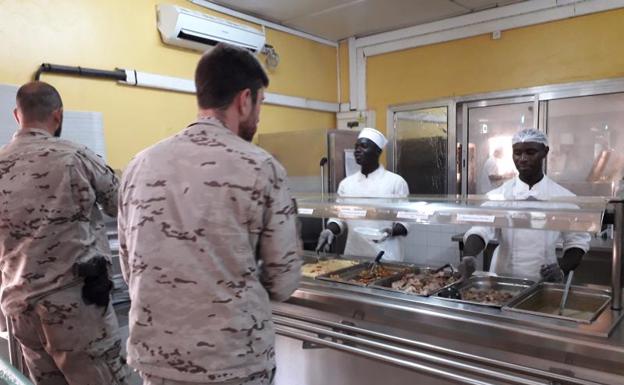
column 378, row 184
column 490, row 167
column 521, row 252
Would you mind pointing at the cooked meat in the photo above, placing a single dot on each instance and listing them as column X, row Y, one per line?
column 367, row 276
column 423, row 283
column 487, row 296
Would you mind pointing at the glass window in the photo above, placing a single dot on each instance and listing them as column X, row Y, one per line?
column 584, row 133
column 421, row 149
column 490, row 130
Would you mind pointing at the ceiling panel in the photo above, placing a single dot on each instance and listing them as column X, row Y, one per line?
column 478, row 5
column 281, row 10
column 372, row 16
column 339, row 19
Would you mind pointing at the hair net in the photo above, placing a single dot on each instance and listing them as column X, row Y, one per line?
column 377, row 137
column 530, row 135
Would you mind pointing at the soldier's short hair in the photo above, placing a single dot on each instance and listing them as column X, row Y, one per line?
column 37, row 100
column 223, row 72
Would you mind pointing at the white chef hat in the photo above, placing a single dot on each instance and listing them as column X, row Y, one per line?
column 377, row 137
column 530, row 135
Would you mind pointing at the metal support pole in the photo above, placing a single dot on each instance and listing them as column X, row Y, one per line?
column 15, row 358
column 322, row 164
column 616, row 263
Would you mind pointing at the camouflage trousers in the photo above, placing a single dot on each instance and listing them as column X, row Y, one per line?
column 261, row 378
column 66, row 342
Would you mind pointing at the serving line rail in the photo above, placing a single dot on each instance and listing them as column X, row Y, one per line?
column 446, row 339
column 400, row 351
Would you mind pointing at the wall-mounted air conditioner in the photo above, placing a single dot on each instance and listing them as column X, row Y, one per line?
column 199, row 31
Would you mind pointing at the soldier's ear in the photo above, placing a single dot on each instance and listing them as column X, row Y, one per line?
column 16, row 116
column 57, row 115
column 245, row 102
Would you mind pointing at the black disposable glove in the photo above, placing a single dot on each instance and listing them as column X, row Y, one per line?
column 551, row 273
column 326, row 238
column 467, row 266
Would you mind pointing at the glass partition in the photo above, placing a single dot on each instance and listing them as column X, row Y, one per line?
column 563, row 214
column 586, row 141
column 490, row 129
column 421, row 149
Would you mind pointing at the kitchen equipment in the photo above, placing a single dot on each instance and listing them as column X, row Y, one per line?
column 360, row 275
column 485, row 290
column 584, row 304
column 376, row 262
column 320, row 266
column 426, row 282
column 566, row 291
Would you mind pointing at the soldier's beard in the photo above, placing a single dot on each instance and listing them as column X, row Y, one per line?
column 247, row 128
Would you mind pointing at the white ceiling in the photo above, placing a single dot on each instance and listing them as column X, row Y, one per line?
column 340, row 19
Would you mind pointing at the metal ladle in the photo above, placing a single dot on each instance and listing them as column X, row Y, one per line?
column 377, row 262
column 566, row 291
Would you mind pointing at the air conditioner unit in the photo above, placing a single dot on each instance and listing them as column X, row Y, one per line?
column 199, row 31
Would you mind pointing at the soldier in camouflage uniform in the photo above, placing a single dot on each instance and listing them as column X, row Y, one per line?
column 50, row 231
column 208, row 237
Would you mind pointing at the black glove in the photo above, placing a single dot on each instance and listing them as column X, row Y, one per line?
column 551, row 273
column 326, row 238
column 97, row 286
column 467, row 266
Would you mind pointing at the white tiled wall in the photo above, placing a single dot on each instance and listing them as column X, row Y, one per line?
column 431, row 245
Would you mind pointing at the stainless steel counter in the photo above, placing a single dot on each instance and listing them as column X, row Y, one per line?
column 452, row 342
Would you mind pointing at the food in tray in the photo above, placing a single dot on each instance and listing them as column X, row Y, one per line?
column 423, row 283
column 570, row 313
column 367, row 275
column 313, row 270
column 486, row 296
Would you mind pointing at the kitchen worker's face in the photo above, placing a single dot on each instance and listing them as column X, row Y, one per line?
column 366, row 152
column 249, row 124
column 529, row 158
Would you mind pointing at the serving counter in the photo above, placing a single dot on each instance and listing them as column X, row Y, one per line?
column 337, row 333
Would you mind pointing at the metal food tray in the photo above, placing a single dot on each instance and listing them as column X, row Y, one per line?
column 544, row 298
column 386, row 283
column 348, row 273
column 310, row 259
column 515, row 286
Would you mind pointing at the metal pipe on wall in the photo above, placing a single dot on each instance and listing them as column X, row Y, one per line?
column 616, row 263
column 117, row 74
column 171, row 83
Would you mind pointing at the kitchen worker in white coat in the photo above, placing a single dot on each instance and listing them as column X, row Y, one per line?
column 366, row 238
column 527, row 253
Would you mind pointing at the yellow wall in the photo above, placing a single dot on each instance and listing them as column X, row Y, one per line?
column 122, row 33
column 577, row 49
column 299, row 152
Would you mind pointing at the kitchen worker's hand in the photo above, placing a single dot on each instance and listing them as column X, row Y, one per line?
column 551, row 273
column 397, row 229
column 467, row 266
column 386, row 233
column 325, row 240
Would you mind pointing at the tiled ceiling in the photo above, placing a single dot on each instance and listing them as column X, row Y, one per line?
column 340, row 19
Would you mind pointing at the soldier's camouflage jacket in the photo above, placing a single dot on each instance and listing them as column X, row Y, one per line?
column 48, row 214
column 207, row 236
